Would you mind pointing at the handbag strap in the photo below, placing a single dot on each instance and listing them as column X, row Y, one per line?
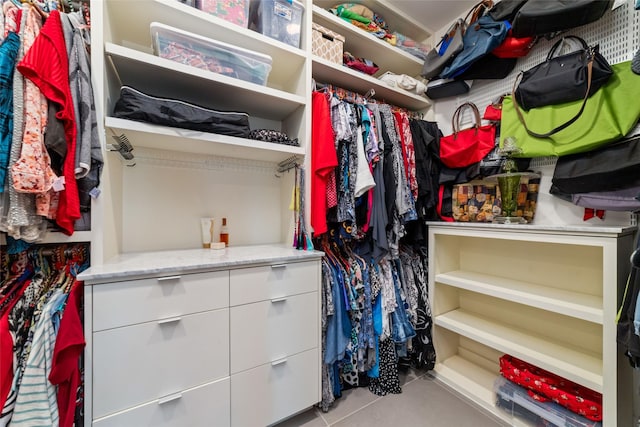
column 568, row 122
column 455, row 120
column 477, row 11
column 459, row 24
column 559, row 43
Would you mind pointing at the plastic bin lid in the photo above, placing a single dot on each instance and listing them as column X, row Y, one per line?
column 158, row 29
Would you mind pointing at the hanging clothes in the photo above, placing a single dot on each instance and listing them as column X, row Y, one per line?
column 50, row 152
column 376, row 317
column 323, row 160
column 47, row 65
column 42, row 336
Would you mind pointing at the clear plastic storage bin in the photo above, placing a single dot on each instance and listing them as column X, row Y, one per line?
column 208, row 54
column 278, row 19
column 516, row 401
column 236, row 11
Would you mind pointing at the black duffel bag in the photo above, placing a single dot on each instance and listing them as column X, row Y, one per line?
column 563, row 78
column 539, row 17
column 138, row 106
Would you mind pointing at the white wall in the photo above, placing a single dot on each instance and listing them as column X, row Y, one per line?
column 164, row 199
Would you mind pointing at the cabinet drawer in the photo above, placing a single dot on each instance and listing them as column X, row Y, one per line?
column 269, row 393
column 141, row 363
column 279, row 280
column 197, row 407
column 137, row 301
column 270, row 330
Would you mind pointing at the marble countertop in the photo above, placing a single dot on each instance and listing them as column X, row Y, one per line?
column 576, row 229
column 139, row 264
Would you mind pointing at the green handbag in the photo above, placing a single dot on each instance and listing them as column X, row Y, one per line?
column 609, row 114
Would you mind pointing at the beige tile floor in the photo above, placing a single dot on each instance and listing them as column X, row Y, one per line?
column 423, row 403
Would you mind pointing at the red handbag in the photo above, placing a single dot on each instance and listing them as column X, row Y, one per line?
column 514, row 47
column 493, row 112
column 467, row 146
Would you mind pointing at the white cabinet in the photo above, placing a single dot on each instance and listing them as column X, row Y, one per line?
column 271, row 392
column 545, row 295
column 139, row 363
column 166, row 347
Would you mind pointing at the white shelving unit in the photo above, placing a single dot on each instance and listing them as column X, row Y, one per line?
column 124, row 50
column 362, row 44
column 548, row 296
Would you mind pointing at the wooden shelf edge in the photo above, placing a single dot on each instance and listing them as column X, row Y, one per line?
column 344, row 27
column 359, row 82
column 150, row 60
column 555, row 300
column 163, row 137
column 471, row 381
column 55, row 237
column 575, row 365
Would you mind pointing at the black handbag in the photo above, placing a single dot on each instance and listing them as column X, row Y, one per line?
column 506, row 10
column 563, row 78
column 609, row 168
column 489, row 67
column 538, row 17
column 445, row 88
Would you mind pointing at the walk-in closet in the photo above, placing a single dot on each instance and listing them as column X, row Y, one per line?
column 248, row 213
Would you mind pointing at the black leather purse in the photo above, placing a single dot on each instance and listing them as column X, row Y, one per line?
column 563, row 78
column 539, row 17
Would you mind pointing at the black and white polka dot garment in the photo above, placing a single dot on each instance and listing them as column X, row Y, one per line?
column 388, row 380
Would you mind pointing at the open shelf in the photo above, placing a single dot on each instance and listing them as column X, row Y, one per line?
column 130, row 26
column 58, row 237
column 149, row 73
column 329, row 72
column 190, row 141
column 362, row 44
column 475, row 383
column 574, row 364
column 581, row 306
column 396, row 21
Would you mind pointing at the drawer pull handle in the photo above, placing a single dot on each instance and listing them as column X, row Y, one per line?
column 169, row 398
column 169, row 320
column 274, row 266
column 168, row 278
column 279, row 361
column 277, row 300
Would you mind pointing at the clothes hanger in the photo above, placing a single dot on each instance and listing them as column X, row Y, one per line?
column 38, row 7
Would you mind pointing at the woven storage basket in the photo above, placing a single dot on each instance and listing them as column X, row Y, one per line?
column 327, row 44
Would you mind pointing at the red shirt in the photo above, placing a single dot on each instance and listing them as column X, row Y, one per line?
column 7, row 369
column 65, row 371
column 323, row 160
column 46, row 64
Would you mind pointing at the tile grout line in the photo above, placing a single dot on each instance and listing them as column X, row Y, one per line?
column 356, row 411
column 366, row 405
column 319, row 413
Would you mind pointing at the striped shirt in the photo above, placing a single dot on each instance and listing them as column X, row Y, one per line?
column 36, row 404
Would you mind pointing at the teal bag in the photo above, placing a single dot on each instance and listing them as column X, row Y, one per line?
column 609, row 114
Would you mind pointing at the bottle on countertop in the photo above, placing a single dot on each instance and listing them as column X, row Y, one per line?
column 224, row 232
